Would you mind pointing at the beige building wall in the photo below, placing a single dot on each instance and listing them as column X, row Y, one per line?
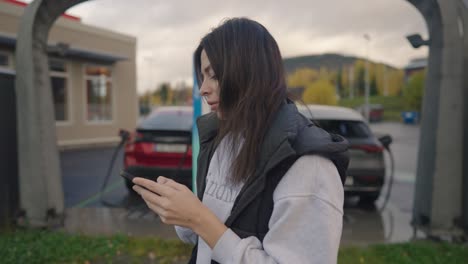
column 78, row 131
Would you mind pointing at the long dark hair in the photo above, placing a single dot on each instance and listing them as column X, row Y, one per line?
column 248, row 65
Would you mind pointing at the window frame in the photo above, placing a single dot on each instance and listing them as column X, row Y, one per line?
column 85, row 96
column 8, row 69
column 68, row 86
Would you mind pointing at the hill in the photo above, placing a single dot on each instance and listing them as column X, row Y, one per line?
column 330, row 61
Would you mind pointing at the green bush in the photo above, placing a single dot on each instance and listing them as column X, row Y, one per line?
column 320, row 92
column 413, row 92
column 393, row 105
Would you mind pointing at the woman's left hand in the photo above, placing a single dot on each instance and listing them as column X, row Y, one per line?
column 173, row 202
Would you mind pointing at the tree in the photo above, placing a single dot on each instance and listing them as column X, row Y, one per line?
column 373, row 87
column 145, row 102
column 380, row 78
column 302, row 77
column 396, row 82
column 144, row 99
column 414, row 91
column 164, row 90
column 320, row 92
column 345, row 79
column 324, row 73
column 156, row 100
column 361, row 81
column 339, row 83
column 182, row 95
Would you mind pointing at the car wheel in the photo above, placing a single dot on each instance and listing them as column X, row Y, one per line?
column 369, row 198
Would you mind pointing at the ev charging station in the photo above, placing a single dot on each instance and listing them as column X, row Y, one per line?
column 197, row 111
column 199, row 108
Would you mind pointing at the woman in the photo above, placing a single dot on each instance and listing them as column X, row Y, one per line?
column 268, row 179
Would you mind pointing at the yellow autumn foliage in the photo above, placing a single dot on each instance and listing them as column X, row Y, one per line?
column 302, row 77
column 320, row 92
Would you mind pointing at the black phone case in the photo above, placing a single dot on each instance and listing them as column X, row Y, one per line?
column 130, row 177
column 127, row 175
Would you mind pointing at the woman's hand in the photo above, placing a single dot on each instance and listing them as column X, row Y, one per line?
column 177, row 205
column 173, row 202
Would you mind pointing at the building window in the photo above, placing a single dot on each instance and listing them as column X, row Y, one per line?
column 5, row 60
column 99, row 93
column 59, row 81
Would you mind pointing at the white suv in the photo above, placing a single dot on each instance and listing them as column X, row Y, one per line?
column 366, row 171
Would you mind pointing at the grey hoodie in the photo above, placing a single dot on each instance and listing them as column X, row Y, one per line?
column 305, row 224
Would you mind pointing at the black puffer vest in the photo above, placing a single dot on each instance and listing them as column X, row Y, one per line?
column 290, row 136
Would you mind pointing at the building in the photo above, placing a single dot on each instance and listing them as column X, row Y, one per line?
column 414, row 66
column 93, row 77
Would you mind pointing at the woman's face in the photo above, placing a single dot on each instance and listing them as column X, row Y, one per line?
column 209, row 89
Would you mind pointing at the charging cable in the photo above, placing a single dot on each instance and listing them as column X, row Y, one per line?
column 391, row 177
column 124, row 137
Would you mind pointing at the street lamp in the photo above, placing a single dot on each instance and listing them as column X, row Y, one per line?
column 367, row 88
column 417, row 41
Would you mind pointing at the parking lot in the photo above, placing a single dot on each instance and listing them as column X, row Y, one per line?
column 84, row 173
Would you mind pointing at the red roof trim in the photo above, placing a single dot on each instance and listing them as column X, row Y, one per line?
column 23, row 4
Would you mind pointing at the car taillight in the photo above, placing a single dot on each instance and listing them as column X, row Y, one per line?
column 369, row 148
column 133, row 138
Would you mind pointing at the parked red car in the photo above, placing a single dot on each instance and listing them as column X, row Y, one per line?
column 162, row 146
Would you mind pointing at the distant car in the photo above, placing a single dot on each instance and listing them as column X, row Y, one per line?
column 162, row 146
column 366, row 171
column 376, row 112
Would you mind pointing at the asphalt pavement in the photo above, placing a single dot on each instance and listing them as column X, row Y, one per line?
column 96, row 209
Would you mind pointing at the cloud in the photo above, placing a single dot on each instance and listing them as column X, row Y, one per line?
column 169, row 31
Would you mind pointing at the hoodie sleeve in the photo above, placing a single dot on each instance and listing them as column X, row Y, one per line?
column 186, row 235
column 306, row 223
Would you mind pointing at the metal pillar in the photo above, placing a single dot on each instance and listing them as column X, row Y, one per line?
column 464, row 30
column 40, row 181
column 438, row 194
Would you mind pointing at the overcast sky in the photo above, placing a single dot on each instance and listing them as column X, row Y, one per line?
column 169, row 31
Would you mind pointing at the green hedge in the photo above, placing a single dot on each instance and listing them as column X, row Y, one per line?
column 393, row 105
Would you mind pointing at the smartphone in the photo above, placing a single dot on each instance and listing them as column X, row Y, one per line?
column 127, row 175
column 130, row 177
